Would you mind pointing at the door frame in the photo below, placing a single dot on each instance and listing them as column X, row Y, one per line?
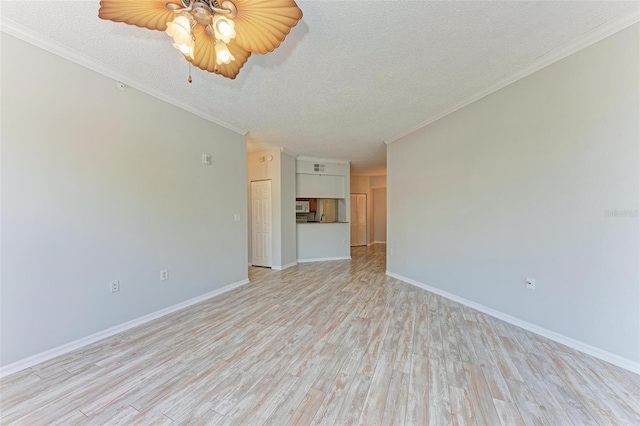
column 250, row 221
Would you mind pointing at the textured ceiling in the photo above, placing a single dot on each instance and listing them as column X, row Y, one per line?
column 350, row 75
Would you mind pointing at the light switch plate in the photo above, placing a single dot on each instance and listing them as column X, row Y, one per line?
column 206, row 159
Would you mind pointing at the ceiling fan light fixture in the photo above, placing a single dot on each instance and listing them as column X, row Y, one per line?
column 223, row 55
column 180, row 30
column 224, row 28
column 215, row 35
column 185, row 48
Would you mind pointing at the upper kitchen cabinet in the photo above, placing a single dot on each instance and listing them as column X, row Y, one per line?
column 320, row 186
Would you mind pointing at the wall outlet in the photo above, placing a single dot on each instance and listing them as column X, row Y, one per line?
column 114, row 286
column 164, row 275
column 236, row 217
column 390, row 252
column 531, row 283
column 206, row 159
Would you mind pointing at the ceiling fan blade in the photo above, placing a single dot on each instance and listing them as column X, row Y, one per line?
column 205, row 55
column 261, row 25
column 151, row 14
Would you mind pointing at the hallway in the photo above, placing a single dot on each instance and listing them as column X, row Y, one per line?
column 324, row 343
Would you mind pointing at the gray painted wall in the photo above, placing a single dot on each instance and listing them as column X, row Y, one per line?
column 380, row 214
column 99, row 185
column 517, row 185
column 288, row 180
column 323, row 241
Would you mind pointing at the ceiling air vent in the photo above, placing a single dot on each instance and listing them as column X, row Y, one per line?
column 318, row 167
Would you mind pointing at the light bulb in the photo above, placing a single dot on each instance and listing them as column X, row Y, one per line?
column 180, row 30
column 185, row 49
column 223, row 28
column 223, row 56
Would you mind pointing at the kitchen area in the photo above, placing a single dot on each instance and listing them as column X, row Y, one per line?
column 316, row 210
column 322, row 210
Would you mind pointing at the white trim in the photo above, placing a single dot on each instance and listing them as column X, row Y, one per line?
column 371, row 243
column 77, row 344
column 288, row 265
column 576, row 45
column 324, row 259
column 321, row 160
column 288, row 152
column 32, row 37
column 379, row 242
column 612, row 358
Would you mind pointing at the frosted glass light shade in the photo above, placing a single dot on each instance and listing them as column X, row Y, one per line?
column 185, row 48
column 180, row 30
column 223, row 56
column 205, row 55
column 224, row 28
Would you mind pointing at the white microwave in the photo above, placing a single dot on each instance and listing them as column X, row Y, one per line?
column 302, row 207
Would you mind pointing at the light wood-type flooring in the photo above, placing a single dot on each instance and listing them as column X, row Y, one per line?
column 324, row 343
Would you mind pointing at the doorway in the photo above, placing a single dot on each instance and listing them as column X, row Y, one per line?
column 261, row 223
column 358, row 220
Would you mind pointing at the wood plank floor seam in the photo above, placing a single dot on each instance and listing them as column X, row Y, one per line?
column 323, row 343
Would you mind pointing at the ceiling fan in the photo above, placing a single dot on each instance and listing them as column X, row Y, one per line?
column 214, row 35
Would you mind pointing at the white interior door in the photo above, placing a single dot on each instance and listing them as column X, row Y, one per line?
column 358, row 219
column 261, row 223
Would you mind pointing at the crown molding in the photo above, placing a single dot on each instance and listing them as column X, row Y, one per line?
column 32, row 37
column 322, row 160
column 288, row 152
column 586, row 40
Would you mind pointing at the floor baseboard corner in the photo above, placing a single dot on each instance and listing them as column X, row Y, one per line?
column 95, row 337
column 596, row 352
column 283, row 267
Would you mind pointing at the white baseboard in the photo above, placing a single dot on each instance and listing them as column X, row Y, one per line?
column 77, row 344
column 324, row 259
column 280, row 268
column 379, row 242
column 612, row 358
column 371, row 243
